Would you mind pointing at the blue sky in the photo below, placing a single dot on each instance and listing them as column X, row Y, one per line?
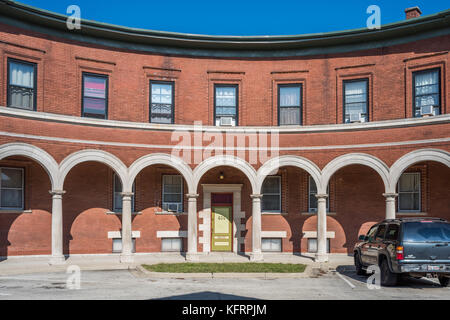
column 240, row 17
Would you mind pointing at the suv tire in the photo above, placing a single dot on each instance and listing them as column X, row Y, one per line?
column 443, row 280
column 388, row 278
column 358, row 265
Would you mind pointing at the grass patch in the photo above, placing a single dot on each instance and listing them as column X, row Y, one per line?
column 226, row 268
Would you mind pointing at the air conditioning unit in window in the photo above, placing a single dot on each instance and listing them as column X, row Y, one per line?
column 427, row 110
column 172, row 207
column 226, row 121
column 355, row 117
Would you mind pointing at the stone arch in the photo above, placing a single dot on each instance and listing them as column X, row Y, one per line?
column 288, row 161
column 229, row 161
column 92, row 155
column 414, row 157
column 164, row 159
column 355, row 158
column 37, row 154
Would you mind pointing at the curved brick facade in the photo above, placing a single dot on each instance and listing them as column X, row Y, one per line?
column 356, row 190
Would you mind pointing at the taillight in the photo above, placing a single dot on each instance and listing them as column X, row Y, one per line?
column 400, row 253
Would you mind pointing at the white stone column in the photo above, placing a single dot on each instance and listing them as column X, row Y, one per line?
column 127, row 240
column 391, row 209
column 322, row 255
column 192, row 254
column 256, row 228
column 57, row 228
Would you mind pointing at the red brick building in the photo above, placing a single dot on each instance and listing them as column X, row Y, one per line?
column 153, row 142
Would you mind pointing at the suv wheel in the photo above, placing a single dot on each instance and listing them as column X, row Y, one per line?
column 359, row 269
column 443, row 280
column 388, row 278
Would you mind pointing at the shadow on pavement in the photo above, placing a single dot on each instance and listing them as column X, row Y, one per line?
column 206, row 295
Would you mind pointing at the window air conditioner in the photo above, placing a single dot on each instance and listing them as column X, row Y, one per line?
column 427, row 110
column 355, row 117
column 226, row 121
column 172, row 207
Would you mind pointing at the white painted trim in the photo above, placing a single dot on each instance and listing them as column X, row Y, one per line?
column 171, row 234
column 313, row 234
column 118, row 235
column 42, row 116
column 273, row 234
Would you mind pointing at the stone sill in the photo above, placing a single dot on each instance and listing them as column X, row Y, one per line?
column 16, row 211
column 315, row 213
column 411, row 214
column 274, row 213
column 166, row 213
column 112, row 213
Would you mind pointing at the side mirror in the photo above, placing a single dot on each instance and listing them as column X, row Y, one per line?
column 362, row 238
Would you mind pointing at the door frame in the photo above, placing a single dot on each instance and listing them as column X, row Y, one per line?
column 223, row 205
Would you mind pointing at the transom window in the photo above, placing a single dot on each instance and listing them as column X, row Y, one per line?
column 11, row 189
column 226, row 105
column 22, row 84
column 427, row 93
column 172, row 193
column 162, row 102
column 117, row 201
column 356, row 101
column 409, row 192
column 271, row 190
column 95, row 96
column 313, row 207
column 290, row 104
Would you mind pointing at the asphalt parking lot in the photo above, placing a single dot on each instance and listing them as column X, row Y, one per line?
column 343, row 284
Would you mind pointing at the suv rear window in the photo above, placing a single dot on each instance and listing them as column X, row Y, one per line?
column 426, row 231
column 392, row 232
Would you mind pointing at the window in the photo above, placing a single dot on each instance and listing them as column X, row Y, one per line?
column 117, row 245
column 271, row 190
column 162, row 102
column 356, row 96
column 95, row 96
column 371, row 233
column 427, row 93
column 409, row 192
column 11, row 189
column 290, row 104
column 117, row 201
column 172, row 245
column 271, row 245
column 172, row 193
column 22, row 78
column 392, row 232
column 312, row 203
column 312, row 245
column 226, row 105
column 380, row 233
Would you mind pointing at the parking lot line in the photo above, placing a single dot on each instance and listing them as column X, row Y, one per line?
column 346, row 281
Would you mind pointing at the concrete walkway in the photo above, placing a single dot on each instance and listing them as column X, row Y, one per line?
column 29, row 265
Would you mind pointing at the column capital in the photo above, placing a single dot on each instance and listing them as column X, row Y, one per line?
column 256, row 196
column 321, row 196
column 57, row 192
column 126, row 194
column 390, row 195
column 192, row 196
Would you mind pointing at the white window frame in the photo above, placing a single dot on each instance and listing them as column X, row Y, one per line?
column 171, row 239
column 271, row 239
column 120, row 239
column 317, row 244
column 115, row 209
column 274, row 194
column 22, row 189
column 420, row 193
column 164, row 193
column 314, row 210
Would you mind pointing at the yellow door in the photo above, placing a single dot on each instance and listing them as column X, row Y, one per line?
column 222, row 229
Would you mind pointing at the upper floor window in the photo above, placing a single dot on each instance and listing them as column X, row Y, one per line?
column 312, row 199
column 22, row 84
column 271, row 190
column 226, row 105
column 162, row 102
column 11, row 189
column 172, row 193
column 356, row 101
column 289, row 104
column 409, row 192
column 427, row 93
column 117, row 201
column 95, row 96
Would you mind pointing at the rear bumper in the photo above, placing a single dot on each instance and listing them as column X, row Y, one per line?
column 443, row 268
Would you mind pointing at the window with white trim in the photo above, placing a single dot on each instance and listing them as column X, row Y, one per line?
column 427, row 93
column 290, row 104
column 409, row 199
column 21, row 84
column 172, row 193
column 117, row 199
column 356, row 101
column 271, row 244
column 312, row 199
column 162, row 102
column 11, row 189
column 172, row 245
column 271, row 190
column 226, row 105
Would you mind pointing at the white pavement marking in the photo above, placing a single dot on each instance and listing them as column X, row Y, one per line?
column 347, row 281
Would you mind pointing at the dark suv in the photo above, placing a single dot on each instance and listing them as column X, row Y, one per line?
column 415, row 246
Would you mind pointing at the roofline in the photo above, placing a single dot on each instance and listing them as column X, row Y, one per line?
column 206, row 45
